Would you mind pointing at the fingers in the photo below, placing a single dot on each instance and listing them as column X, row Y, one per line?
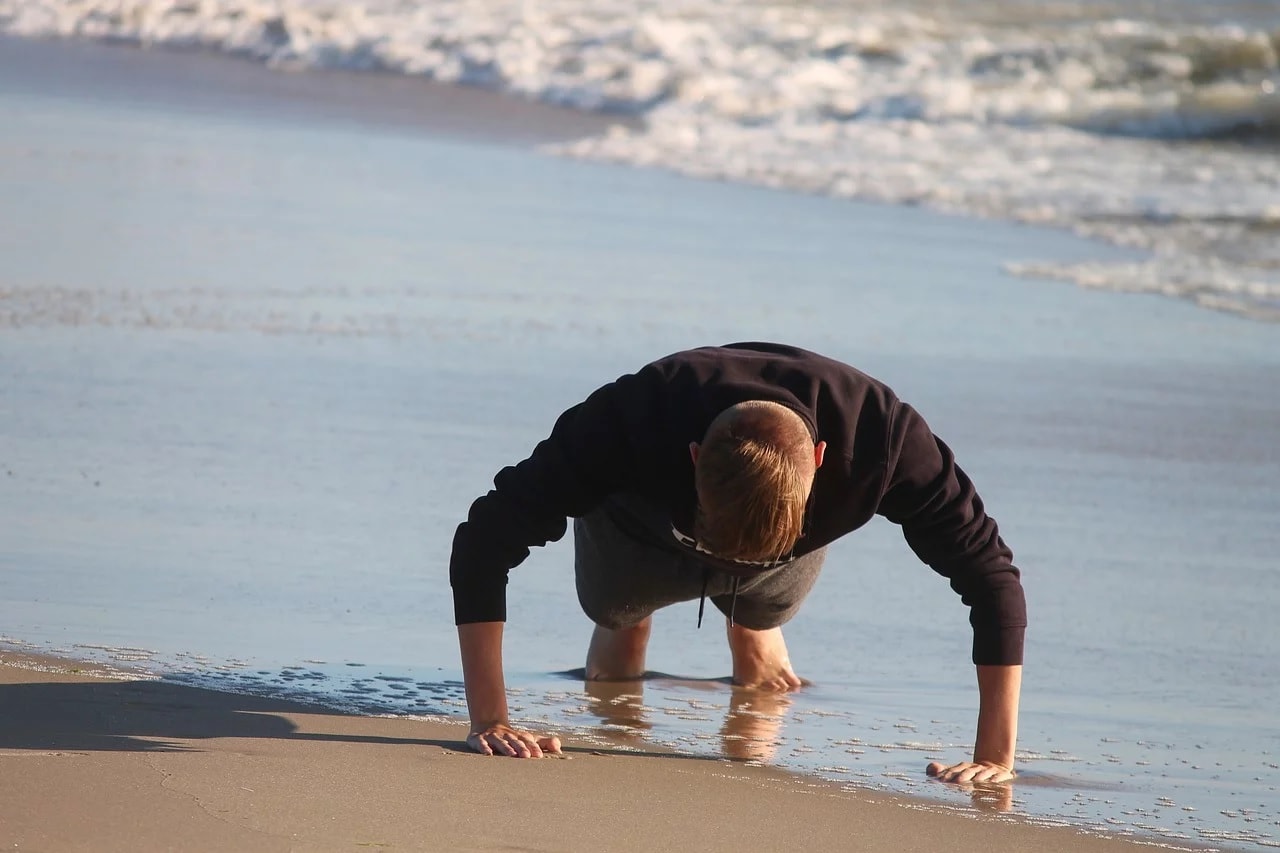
column 477, row 743
column 504, row 740
column 962, row 772
column 968, row 772
column 520, row 745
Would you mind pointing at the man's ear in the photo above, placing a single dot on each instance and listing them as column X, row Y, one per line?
column 819, row 451
column 693, row 451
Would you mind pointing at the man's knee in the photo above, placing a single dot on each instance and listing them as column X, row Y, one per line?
column 772, row 600
column 619, row 619
column 756, row 615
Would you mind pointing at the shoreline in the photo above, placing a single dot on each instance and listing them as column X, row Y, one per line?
column 123, row 482
column 100, row 749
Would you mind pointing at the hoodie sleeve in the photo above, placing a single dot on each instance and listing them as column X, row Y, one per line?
column 945, row 524
column 567, row 475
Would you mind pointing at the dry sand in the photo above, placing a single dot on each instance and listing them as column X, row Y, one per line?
column 96, row 763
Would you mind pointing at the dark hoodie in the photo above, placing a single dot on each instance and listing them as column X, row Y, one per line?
column 632, row 436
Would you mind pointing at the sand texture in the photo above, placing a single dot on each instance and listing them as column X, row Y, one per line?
column 100, row 764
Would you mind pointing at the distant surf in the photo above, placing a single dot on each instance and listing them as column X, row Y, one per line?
column 1149, row 126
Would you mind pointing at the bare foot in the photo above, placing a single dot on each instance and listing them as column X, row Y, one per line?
column 760, row 660
column 618, row 655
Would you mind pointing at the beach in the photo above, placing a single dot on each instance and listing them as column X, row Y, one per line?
column 265, row 335
column 110, row 764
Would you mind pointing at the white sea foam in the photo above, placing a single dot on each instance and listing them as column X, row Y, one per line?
column 1155, row 133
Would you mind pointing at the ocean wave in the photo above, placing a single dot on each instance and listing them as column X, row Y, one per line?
column 1220, row 111
column 734, row 59
column 1079, row 115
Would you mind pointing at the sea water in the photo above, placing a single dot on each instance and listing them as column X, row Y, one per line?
column 1150, row 125
column 253, row 369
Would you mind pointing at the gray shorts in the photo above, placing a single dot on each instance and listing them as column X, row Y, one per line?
column 622, row 580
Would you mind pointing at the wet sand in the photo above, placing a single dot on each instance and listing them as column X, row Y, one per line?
column 93, row 761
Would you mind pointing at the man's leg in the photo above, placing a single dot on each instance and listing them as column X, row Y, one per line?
column 760, row 659
column 621, row 582
column 618, row 655
column 764, row 604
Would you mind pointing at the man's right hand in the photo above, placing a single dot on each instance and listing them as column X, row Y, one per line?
column 502, row 739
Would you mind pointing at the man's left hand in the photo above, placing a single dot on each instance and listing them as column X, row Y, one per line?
column 970, row 771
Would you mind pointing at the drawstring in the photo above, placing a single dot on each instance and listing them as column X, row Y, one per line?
column 702, row 600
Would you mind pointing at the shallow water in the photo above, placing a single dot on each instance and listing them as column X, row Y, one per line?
column 253, row 369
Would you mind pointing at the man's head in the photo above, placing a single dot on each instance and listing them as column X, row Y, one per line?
column 753, row 472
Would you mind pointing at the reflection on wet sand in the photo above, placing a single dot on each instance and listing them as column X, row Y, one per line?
column 751, row 730
column 992, row 797
column 753, row 726
column 620, row 707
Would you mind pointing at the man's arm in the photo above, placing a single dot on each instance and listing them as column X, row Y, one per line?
column 491, row 733
column 568, row 473
column 947, row 526
column 993, row 753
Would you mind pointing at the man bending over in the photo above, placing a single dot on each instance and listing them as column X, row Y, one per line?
column 723, row 473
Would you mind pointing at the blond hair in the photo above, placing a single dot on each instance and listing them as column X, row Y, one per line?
column 753, row 475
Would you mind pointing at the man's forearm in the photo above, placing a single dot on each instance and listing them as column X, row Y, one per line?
column 481, row 646
column 999, row 688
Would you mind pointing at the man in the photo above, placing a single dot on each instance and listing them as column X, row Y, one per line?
column 724, row 472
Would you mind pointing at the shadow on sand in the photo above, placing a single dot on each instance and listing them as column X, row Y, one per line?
column 158, row 716
column 147, row 716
